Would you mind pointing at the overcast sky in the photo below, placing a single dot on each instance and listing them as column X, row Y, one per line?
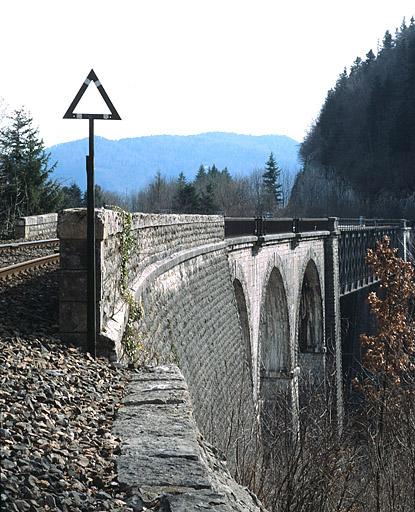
column 185, row 66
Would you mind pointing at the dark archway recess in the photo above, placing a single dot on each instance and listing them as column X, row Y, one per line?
column 244, row 321
column 275, row 330
column 310, row 322
column 275, row 360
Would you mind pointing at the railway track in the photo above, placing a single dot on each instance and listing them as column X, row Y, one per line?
column 14, row 246
column 18, row 268
column 19, row 257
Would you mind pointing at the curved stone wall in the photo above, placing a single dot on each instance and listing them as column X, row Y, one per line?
column 190, row 318
column 178, row 270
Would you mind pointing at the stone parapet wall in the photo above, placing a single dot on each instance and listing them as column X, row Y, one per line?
column 153, row 238
column 37, row 227
column 178, row 271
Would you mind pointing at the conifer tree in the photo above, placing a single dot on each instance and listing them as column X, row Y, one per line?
column 186, row 199
column 387, row 41
column 201, row 175
column 207, row 204
column 226, row 174
column 213, row 172
column 71, row 196
column 25, row 184
column 272, row 187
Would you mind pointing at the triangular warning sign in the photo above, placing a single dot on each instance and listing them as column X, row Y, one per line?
column 92, row 77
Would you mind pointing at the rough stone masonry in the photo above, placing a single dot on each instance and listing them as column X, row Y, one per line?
column 164, row 458
column 178, row 271
column 183, row 273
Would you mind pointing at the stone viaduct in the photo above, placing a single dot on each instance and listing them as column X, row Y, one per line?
column 249, row 309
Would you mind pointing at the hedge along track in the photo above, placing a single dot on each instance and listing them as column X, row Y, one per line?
column 28, row 264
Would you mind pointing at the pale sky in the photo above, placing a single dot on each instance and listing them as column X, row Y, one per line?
column 185, row 66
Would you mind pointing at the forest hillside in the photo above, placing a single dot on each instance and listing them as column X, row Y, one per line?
column 359, row 156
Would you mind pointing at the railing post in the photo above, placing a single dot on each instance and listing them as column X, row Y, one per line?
column 259, row 227
column 332, row 316
column 405, row 233
column 296, row 225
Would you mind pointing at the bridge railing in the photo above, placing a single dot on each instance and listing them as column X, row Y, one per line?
column 261, row 226
column 241, row 226
column 364, row 222
column 356, row 237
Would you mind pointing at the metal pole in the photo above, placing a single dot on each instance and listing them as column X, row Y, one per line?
column 91, row 263
column 91, row 255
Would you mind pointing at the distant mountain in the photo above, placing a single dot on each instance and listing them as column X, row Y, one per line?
column 130, row 164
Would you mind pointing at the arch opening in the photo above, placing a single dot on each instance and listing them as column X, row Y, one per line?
column 274, row 329
column 310, row 329
column 311, row 356
column 275, row 360
column 244, row 321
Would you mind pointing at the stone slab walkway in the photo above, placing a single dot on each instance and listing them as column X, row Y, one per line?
column 164, row 463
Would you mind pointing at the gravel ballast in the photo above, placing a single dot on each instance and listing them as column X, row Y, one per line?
column 12, row 257
column 57, row 408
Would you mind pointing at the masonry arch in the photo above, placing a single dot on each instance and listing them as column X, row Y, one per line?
column 310, row 315
column 274, row 328
column 310, row 338
column 244, row 321
column 274, row 354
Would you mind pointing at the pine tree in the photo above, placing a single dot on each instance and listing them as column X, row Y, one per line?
column 213, row 172
column 186, row 199
column 370, row 57
column 387, row 41
column 181, row 180
column 71, row 197
column 271, row 180
column 201, row 175
column 25, row 185
column 207, row 205
column 226, row 174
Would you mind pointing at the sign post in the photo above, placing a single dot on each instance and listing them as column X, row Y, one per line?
column 91, row 259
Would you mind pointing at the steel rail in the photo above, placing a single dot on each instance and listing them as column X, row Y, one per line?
column 26, row 245
column 43, row 261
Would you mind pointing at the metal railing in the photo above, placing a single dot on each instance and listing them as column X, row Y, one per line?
column 261, row 226
column 354, row 242
column 364, row 222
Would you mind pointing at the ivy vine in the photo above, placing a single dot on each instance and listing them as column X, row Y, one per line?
column 131, row 340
